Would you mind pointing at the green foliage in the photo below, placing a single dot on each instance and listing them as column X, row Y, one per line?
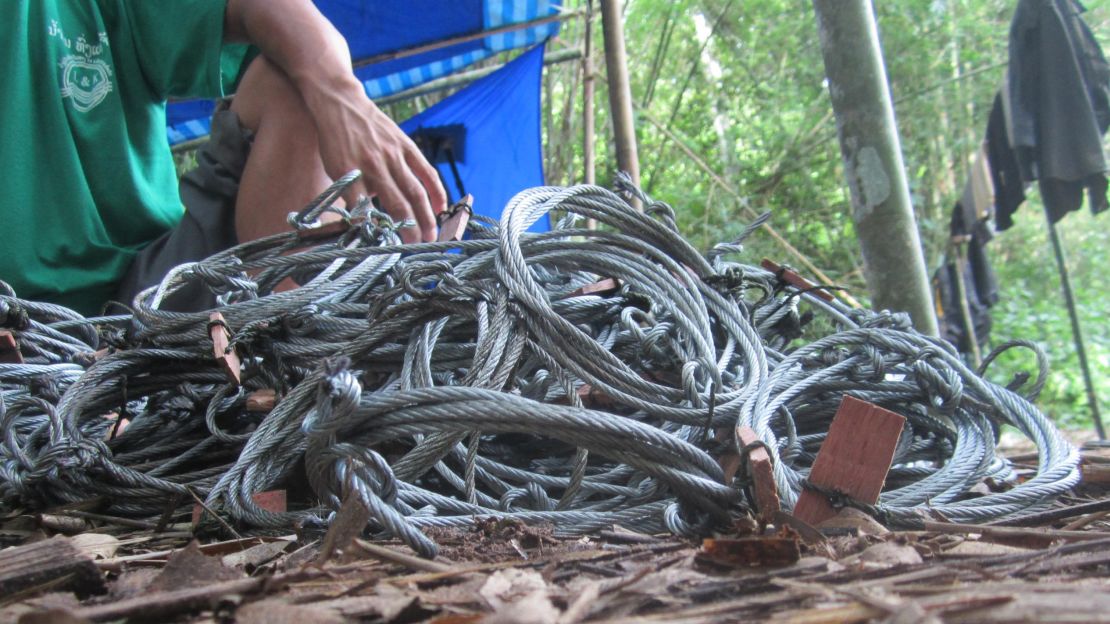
column 741, row 86
column 1032, row 306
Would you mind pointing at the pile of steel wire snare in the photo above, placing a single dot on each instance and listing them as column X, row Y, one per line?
column 440, row 383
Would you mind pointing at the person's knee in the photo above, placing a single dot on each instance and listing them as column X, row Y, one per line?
column 265, row 91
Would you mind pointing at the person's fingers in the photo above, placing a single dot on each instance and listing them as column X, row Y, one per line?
column 416, row 198
column 400, row 208
column 356, row 191
column 428, row 176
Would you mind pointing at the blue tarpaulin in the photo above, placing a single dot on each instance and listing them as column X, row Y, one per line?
column 490, row 132
column 374, row 28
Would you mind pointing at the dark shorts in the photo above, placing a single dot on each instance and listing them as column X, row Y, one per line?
column 208, row 226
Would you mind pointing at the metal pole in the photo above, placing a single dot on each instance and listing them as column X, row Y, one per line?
column 588, row 125
column 620, row 91
column 1076, row 331
column 881, row 208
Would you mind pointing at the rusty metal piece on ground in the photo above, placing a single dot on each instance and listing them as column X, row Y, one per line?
column 752, row 552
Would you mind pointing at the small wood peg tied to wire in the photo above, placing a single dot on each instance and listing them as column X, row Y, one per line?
column 606, row 286
column 329, row 229
column 9, row 348
column 853, row 460
column 761, row 472
column 791, row 277
column 454, row 220
column 221, row 338
column 262, row 401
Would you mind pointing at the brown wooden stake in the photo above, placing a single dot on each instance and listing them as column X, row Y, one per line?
column 221, row 338
column 9, row 348
column 761, row 471
column 854, row 459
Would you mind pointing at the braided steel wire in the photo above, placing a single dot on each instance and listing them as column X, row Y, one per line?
column 439, row 383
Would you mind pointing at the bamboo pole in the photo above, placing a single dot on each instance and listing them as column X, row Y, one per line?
column 881, row 208
column 620, row 91
column 437, row 45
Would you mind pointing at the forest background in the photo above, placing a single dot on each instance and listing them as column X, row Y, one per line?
column 733, row 118
column 741, row 84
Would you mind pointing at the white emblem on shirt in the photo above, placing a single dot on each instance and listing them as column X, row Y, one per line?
column 86, row 79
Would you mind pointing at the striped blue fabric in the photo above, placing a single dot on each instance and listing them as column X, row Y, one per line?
column 503, row 12
column 495, row 13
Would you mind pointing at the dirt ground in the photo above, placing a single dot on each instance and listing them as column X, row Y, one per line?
column 61, row 568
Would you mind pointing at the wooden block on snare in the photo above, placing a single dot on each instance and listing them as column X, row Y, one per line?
column 221, row 338
column 262, row 401
column 9, row 348
column 601, row 287
column 762, row 473
column 854, row 459
column 797, row 281
column 454, row 226
column 329, row 229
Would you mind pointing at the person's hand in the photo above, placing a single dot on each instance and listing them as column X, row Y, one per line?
column 355, row 134
column 352, row 132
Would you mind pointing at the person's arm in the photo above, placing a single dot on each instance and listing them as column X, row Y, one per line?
column 353, row 132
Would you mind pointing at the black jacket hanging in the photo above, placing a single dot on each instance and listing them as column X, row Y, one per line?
column 1056, row 106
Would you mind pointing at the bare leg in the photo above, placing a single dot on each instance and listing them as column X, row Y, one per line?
column 284, row 171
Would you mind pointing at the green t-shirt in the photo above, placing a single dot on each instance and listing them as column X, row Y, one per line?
column 88, row 177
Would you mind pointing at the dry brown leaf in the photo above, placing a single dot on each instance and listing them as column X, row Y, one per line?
column 660, row 584
column 890, row 554
column 971, row 548
column 52, row 616
column 96, row 545
column 387, row 602
column 277, row 611
column 133, row 582
column 853, row 519
column 256, row 555
column 55, row 601
column 464, row 594
column 189, row 567
column 518, row 596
